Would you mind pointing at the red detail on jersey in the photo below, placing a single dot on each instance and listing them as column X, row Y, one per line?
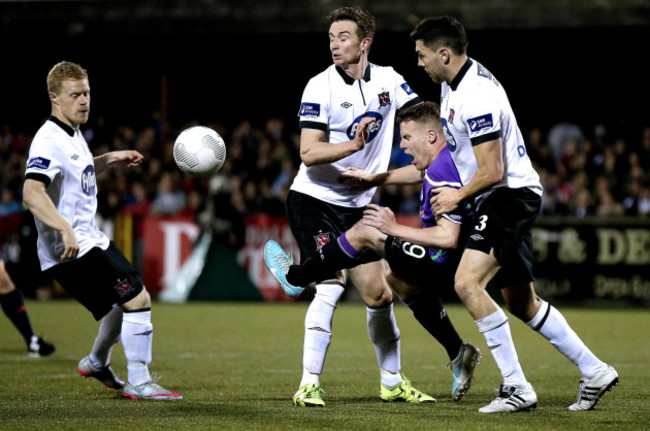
column 384, row 99
column 450, row 120
column 322, row 239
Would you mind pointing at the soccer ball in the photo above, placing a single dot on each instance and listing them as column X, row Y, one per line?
column 199, row 151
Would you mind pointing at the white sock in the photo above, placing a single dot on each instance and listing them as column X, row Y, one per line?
column 496, row 330
column 318, row 330
column 107, row 335
column 384, row 334
column 137, row 337
column 552, row 325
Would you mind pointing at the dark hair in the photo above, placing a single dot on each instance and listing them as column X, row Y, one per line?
column 364, row 20
column 442, row 31
column 422, row 112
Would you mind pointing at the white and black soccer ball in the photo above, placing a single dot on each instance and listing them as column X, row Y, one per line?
column 199, row 151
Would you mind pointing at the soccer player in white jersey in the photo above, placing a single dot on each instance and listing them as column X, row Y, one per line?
column 490, row 154
column 60, row 191
column 422, row 261
column 347, row 116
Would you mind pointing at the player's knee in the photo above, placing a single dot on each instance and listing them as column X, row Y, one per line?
column 360, row 235
column 465, row 287
column 399, row 287
column 378, row 298
column 6, row 286
column 142, row 300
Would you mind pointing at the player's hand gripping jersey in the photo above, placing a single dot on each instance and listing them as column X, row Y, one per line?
column 474, row 109
column 335, row 103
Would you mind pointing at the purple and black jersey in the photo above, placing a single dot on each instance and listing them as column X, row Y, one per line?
column 441, row 173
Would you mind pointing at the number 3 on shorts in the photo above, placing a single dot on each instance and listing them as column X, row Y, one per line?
column 482, row 221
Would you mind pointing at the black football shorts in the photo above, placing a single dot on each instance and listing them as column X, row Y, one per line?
column 99, row 279
column 503, row 223
column 314, row 223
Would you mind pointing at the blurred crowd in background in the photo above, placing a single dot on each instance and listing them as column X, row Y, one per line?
column 585, row 172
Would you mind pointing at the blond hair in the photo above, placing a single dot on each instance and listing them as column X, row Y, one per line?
column 64, row 71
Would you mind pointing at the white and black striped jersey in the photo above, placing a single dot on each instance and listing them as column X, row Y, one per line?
column 59, row 157
column 474, row 108
column 335, row 103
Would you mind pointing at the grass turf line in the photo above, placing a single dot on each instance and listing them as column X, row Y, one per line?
column 238, row 365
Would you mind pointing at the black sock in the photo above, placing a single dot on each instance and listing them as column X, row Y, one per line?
column 14, row 307
column 323, row 266
column 429, row 311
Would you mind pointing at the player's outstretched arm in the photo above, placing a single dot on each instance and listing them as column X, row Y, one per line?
column 361, row 180
column 42, row 207
column 130, row 157
column 444, row 235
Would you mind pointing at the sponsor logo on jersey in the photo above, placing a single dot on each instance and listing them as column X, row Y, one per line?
column 38, row 163
column 477, row 237
column 322, row 239
column 309, row 109
column 477, row 124
column 75, row 156
column 373, row 128
column 123, row 288
column 384, row 99
column 451, row 142
column 346, row 105
column 407, row 88
column 88, row 181
column 456, row 218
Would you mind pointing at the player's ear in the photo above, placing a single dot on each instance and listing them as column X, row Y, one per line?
column 445, row 55
column 365, row 43
column 432, row 135
column 53, row 98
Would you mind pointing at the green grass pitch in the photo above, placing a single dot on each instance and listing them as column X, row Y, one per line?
column 238, row 365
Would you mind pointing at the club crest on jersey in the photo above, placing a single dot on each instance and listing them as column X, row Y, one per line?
column 477, row 124
column 451, row 142
column 322, row 239
column 123, row 288
column 407, row 88
column 452, row 114
column 384, row 99
column 309, row 109
column 373, row 128
column 38, row 163
column 88, row 181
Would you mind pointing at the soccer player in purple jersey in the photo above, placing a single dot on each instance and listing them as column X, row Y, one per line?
column 422, row 260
